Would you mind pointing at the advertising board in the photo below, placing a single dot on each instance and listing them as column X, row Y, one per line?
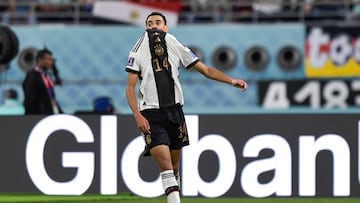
column 246, row 155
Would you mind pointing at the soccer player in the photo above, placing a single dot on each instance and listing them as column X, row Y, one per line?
column 154, row 61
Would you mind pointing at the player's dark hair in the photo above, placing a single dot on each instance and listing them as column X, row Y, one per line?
column 42, row 53
column 156, row 13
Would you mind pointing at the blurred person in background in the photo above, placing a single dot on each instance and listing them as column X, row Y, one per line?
column 325, row 9
column 53, row 5
column 85, row 5
column 268, row 6
column 38, row 86
column 54, row 11
column 206, row 10
column 104, row 105
column 18, row 11
column 11, row 104
column 155, row 60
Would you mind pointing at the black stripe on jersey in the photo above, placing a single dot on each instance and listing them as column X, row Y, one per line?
column 161, row 68
column 134, row 71
column 137, row 45
column 192, row 64
column 131, row 70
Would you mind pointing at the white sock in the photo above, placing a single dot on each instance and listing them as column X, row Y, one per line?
column 170, row 186
column 173, row 197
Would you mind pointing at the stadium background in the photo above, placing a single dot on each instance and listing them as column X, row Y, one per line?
column 91, row 60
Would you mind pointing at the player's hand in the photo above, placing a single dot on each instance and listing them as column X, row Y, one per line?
column 142, row 124
column 239, row 84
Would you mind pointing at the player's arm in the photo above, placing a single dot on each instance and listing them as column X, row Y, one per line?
column 217, row 75
column 141, row 121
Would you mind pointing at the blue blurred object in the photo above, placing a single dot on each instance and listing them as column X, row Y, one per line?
column 103, row 105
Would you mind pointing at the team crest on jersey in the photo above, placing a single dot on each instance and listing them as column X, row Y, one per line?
column 148, row 139
column 131, row 61
column 159, row 50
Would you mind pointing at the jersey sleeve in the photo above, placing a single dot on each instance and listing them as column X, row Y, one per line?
column 187, row 57
column 133, row 59
column 132, row 65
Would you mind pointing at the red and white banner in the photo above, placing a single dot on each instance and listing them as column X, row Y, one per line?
column 135, row 12
column 332, row 51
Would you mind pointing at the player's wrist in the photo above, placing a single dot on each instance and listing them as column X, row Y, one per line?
column 137, row 114
column 233, row 82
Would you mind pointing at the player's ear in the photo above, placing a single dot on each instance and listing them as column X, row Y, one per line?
column 166, row 28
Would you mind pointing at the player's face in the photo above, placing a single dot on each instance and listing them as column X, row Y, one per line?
column 156, row 22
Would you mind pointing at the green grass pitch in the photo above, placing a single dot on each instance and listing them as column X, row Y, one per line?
column 123, row 198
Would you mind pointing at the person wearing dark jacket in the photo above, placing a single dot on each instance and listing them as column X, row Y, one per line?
column 38, row 87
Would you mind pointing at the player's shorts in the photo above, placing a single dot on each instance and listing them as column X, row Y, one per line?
column 167, row 126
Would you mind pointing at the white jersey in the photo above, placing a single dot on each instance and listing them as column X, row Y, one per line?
column 140, row 62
